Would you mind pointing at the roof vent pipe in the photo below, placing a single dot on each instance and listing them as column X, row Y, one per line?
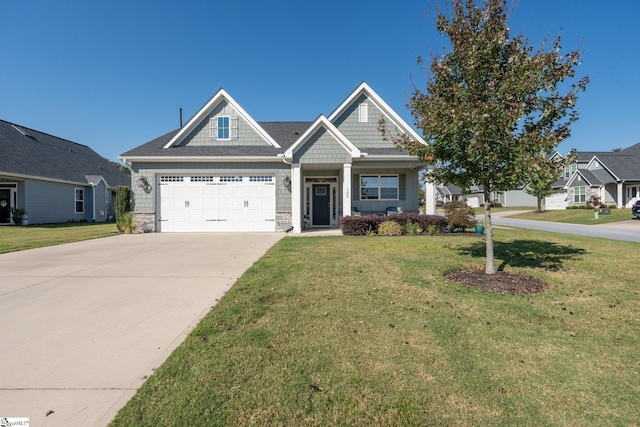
column 180, row 117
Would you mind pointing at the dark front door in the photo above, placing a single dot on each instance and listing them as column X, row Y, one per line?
column 5, row 204
column 320, row 204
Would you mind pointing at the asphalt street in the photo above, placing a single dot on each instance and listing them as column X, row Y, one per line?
column 623, row 230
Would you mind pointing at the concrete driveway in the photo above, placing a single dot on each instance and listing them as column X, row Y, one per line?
column 83, row 324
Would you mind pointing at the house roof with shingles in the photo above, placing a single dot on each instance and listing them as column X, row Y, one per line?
column 31, row 153
column 625, row 167
column 285, row 133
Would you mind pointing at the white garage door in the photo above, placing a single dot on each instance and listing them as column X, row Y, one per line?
column 473, row 201
column 556, row 201
column 210, row 203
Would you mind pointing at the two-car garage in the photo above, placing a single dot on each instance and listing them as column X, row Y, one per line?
column 216, row 203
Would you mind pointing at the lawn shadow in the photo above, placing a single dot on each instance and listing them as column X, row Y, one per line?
column 526, row 253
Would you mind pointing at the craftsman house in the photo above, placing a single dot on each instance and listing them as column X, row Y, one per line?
column 224, row 171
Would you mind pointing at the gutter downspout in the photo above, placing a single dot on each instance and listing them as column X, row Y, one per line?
column 93, row 210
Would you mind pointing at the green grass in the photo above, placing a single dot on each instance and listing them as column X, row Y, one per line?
column 362, row 331
column 13, row 238
column 576, row 216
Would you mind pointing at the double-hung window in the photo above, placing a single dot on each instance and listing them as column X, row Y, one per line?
column 579, row 194
column 569, row 170
column 223, row 127
column 79, row 199
column 379, row 187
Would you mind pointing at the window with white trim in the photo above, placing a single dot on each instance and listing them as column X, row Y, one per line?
column 379, row 187
column 569, row 170
column 363, row 113
column 223, row 128
column 79, row 199
column 580, row 195
column 230, row 178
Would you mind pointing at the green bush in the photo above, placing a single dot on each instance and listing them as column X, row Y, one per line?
column 127, row 224
column 389, row 228
column 432, row 230
column 122, row 205
column 412, row 228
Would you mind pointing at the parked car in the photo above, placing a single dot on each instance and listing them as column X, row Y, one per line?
column 635, row 210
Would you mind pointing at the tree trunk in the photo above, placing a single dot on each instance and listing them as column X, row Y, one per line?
column 539, row 204
column 488, row 233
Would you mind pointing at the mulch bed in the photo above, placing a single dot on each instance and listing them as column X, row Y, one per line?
column 501, row 282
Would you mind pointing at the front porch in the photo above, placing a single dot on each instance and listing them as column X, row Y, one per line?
column 322, row 194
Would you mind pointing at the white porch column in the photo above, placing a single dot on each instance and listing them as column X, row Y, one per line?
column 346, row 189
column 430, row 197
column 620, row 204
column 296, row 204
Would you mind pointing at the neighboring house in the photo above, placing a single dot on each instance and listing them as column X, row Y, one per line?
column 448, row 193
column 52, row 179
column 223, row 171
column 475, row 196
column 613, row 177
column 563, row 197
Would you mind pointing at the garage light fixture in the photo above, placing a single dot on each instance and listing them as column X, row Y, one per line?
column 287, row 183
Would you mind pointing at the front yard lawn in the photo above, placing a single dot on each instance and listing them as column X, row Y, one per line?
column 575, row 216
column 17, row 238
column 363, row 331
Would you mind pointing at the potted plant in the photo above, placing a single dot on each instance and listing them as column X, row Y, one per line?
column 480, row 228
column 17, row 214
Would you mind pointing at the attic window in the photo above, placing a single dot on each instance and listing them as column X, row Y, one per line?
column 223, row 128
column 363, row 113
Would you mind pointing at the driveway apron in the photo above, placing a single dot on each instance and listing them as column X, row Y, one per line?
column 84, row 324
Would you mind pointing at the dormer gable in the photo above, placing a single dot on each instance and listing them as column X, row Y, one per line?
column 221, row 121
column 362, row 110
column 321, row 132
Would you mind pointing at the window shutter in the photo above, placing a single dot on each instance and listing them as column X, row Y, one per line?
column 213, row 127
column 234, row 127
column 403, row 187
column 355, row 187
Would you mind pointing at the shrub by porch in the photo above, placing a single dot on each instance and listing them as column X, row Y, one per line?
column 368, row 224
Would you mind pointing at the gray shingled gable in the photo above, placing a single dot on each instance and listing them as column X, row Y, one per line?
column 625, row 167
column 38, row 154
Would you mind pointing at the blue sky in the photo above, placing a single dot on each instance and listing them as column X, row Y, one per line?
column 113, row 74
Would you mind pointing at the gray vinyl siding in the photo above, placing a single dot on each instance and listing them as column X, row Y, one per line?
column 100, row 203
column 517, row 198
column 610, row 194
column 321, row 147
column 50, row 202
column 146, row 202
column 246, row 134
column 412, row 185
column 364, row 135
